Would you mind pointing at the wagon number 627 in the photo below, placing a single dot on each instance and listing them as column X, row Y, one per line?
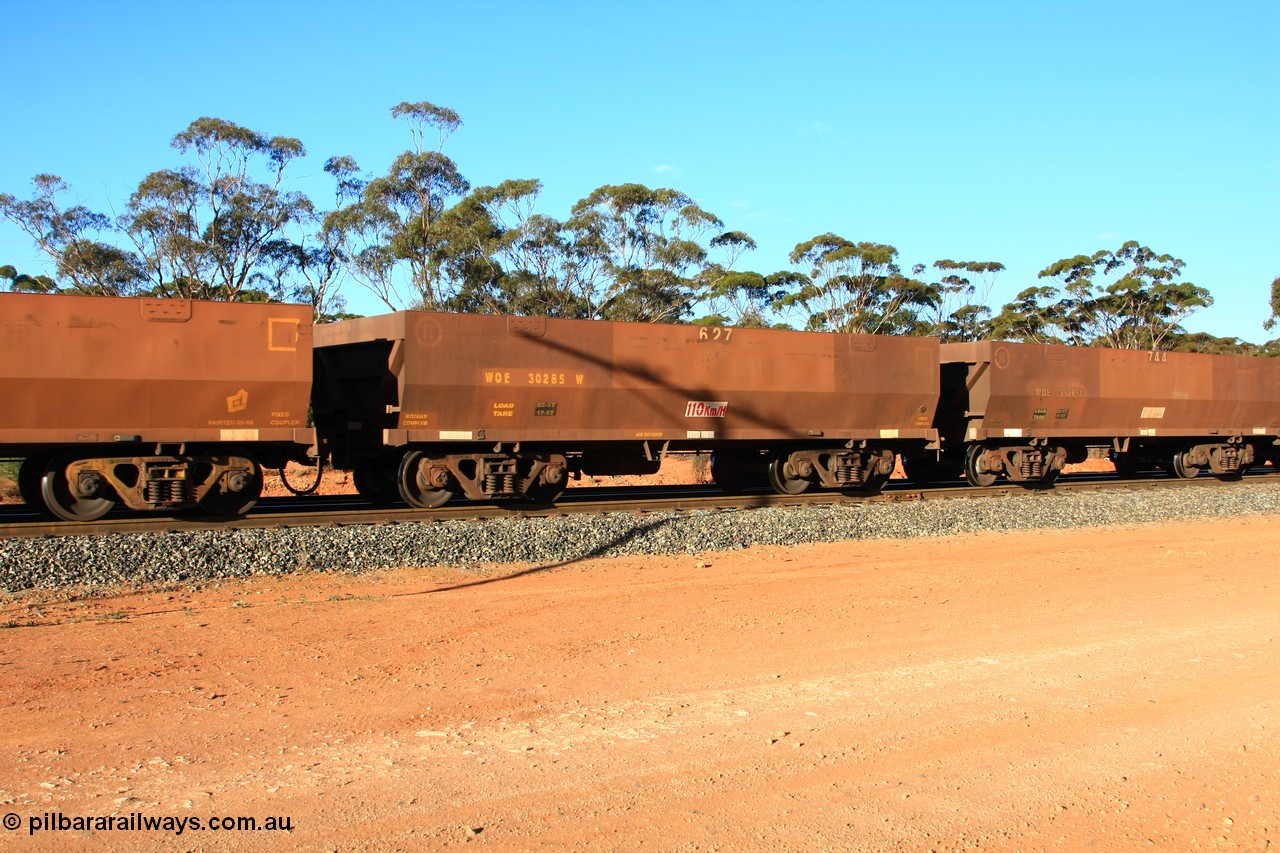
column 714, row 333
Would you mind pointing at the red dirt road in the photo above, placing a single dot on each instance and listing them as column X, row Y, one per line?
column 954, row 694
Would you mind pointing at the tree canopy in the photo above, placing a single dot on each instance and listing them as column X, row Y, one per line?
column 1275, row 304
column 854, row 287
column 959, row 312
column 226, row 223
column 1127, row 298
column 75, row 239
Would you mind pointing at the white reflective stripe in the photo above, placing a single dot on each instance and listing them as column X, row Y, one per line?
column 697, row 433
column 1013, row 433
column 888, row 433
column 239, row 434
column 455, row 435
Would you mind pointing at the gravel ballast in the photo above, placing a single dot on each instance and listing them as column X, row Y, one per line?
column 203, row 556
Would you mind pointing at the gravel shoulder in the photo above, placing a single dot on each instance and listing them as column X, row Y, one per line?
column 183, row 559
column 1115, row 687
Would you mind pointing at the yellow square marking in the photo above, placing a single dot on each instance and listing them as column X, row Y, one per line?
column 282, row 334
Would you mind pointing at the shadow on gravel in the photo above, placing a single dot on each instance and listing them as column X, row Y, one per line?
column 598, row 551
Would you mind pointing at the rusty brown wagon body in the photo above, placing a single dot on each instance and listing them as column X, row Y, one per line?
column 424, row 404
column 1024, row 410
column 159, row 403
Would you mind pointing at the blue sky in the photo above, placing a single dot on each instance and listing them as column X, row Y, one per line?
column 1016, row 132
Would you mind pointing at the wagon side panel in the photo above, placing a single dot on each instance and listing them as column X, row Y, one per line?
column 106, row 369
column 467, row 378
column 1011, row 390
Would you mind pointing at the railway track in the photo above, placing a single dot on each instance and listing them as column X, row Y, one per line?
column 17, row 521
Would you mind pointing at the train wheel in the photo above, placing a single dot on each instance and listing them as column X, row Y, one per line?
column 373, row 483
column 1184, row 469
column 29, row 476
column 236, row 492
column 543, row 478
column 87, row 504
column 414, row 488
column 874, row 483
column 786, row 482
column 733, row 472
column 973, row 470
column 544, row 493
column 377, row 482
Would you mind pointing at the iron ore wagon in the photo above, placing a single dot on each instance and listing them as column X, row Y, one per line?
column 1024, row 410
column 423, row 406
column 160, row 404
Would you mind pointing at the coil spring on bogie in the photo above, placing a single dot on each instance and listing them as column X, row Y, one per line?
column 848, row 474
column 500, row 483
column 1229, row 459
column 166, row 491
column 1032, row 466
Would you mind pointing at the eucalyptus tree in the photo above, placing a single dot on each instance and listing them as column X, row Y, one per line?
column 1205, row 342
column 1034, row 316
column 855, row 287
column 20, row 282
column 214, row 229
column 637, row 253
column 511, row 260
column 73, row 238
column 397, row 242
column 545, row 275
column 1275, row 305
column 477, row 235
column 1139, row 307
column 310, row 267
column 733, row 297
column 964, row 291
column 741, row 298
